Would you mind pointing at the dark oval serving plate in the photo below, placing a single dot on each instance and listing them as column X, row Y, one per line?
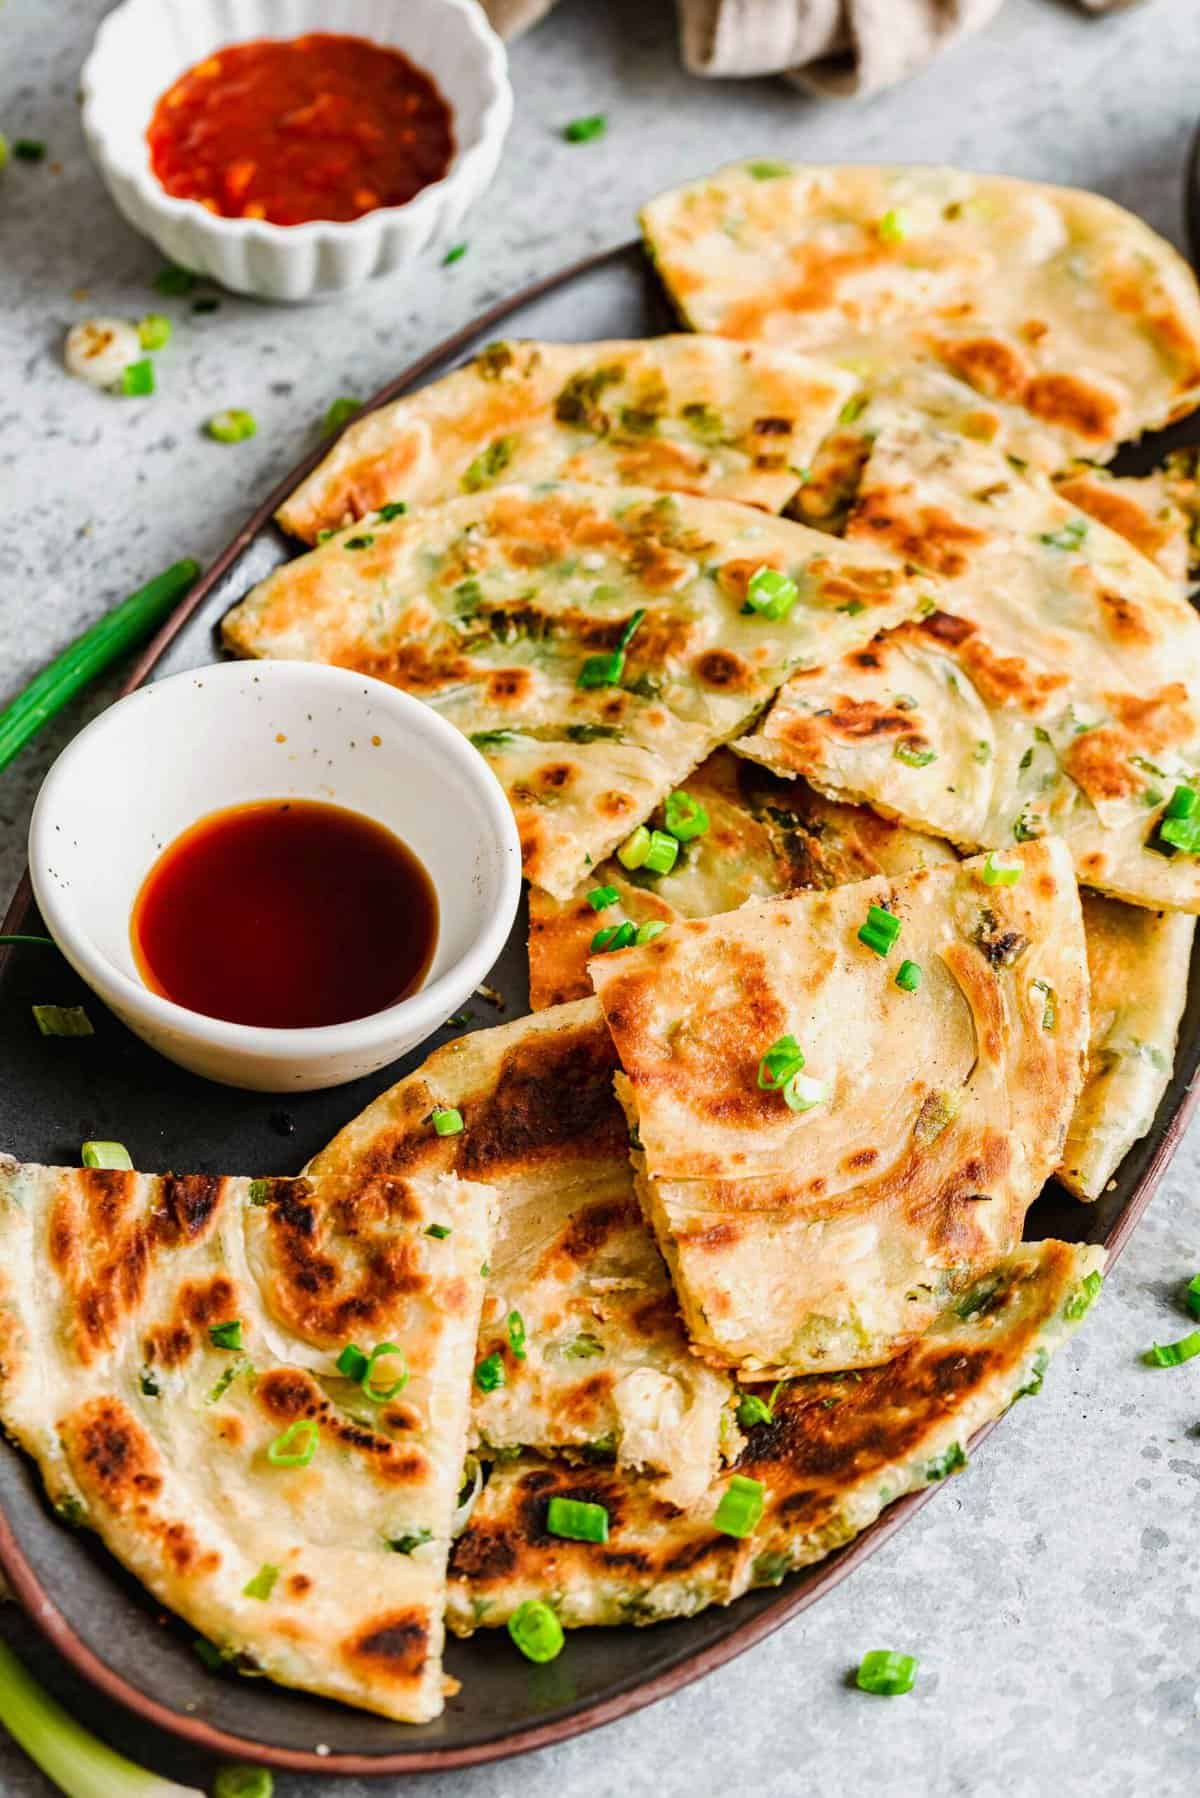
column 55, row 1094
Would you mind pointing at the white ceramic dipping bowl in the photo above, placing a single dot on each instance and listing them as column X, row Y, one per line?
column 172, row 752
column 143, row 46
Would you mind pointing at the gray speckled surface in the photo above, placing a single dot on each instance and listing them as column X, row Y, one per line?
column 1051, row 1592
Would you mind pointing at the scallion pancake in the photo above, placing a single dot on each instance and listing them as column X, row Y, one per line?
column 604, row 1368
column 1138, row 967
column 169, row 1356
column 686, row 414
column 837, row 1451
column 1054, row 689
column 1049, row 299
column 508, row 610
column 828, row 1234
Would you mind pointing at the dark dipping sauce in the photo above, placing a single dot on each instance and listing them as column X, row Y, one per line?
column 285, row 914
column 295, row 129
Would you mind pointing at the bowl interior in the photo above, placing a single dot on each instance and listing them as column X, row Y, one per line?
column 190, row 745
column 147, row 44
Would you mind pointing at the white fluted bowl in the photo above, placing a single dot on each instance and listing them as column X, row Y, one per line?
column 143, row 46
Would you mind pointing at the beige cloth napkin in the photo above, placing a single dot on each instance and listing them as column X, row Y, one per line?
column 839, row 47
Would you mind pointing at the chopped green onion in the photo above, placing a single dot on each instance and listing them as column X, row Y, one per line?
column 137, row 379
column 893, row 226
column 614, row 936
column 263, row 1583
column 647, row 932
column 243, row 1364
column 232, row 425
column 685, row 817
column 516, row 1334
column 339, row 413
column 1082, row 1299
column 447, row 1120
column 740, row 1508
column 62, row 1020
column 75, row 1761
column 440, row 1231
column 380, row 1395
column 880, row 930
column 237, row 1781
column 405, row 1545
column 662, row 854
column 1050, row 1003
column 226, row 1335
column 752, row 1409
column 585, row 130
column 297, row 1445
column 363, row 542
column 606, row 670
column 768, row 171
column 490, row 1372
column 908, row 976
column 577, row 1521
column 771, row 594
column 259, row 1192
column 1068, row 536
column 105, row 1154
column 455, row 253
column 1192, row 1295
column 28, row 149
column 600, row 897
column 783, row 1059
column 634, row 849
column 912, row 757
column 886, row 1674
column 154, row 331
column 536, row 1631
column 997, row 873
column 1174, row 1354
column 395, row 508
column 1179, row 826
column 854, row 408
column 801, row 1092
column 942, row 1466
column 41, row 942
column 352, row 1362
column 174, row 281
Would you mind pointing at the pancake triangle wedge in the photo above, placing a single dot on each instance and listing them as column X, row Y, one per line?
column 828, row 1233
column 169, row 1356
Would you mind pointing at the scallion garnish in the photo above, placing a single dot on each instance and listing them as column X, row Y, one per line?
column 226, row 1335
column 1068, row 536
column 801, row 1092
column 28, row 149
column 105, row 1154
column 783, row 1059
column 752, row 1409
column 263, row 1583
column 490, row 1372
column 1084, row 1296
column 1179, row 825
column 998, row 873
column 239, row 1781
column 880, row 930
column 154, row 331
column 455, row 253
column 1191, row 1295
column 886, row 1674
column 62, row 1020
column 259, row 1192
column 647, row 932
column 685, row 817
column 447, row 1120
column 914, row 757
column 363, row 542
column 634, row 849
column 614, row 936
column 908, row 976
column 407, row 1544
column 137, row 379
column 352, row 1362
column 296, row 1446
column 516, row 1334
column 174, row 281
column 1174, row 1354
column 440, row 1231
column 536, row 1631
column 381, row 1395
column 232, row 426
column 771, row 594
column 576, row 1520
column 395, row 508
column 662, row 853
column 585, row 130
column 339, row 413
column 740, row 1508
column 1049, row 1003
column 600, row 897
column 606, row 670
column 893, row 226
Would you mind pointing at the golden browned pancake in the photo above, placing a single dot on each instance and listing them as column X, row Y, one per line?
column 169, row 1355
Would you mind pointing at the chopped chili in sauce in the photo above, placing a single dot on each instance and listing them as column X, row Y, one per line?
column 293, row 129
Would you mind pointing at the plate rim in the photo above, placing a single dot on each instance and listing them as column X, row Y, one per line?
column 36, row 1600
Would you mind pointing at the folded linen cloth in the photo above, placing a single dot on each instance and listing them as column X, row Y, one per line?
column 833, row 47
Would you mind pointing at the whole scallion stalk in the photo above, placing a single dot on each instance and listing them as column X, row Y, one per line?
column 78, row 1762
column 102, row 643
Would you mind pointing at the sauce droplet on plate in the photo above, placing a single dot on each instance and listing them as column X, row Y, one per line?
column 285, row 914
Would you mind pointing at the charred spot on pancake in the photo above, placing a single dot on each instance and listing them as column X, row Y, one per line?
column 615, row 804
column 555, row 776
column 524, row 1118
column 299, row 1585
column 116, row 1457
column 1068, row 400
column 947, row 627
column 714, row 1238
column 1098, row 761
column 722, row 668
column 927, row 535
column 592, row 1226
column 860, row 1158
column 988, row 364
column 509, row 684
column 287, row 1393
column 484, row 1552
column 394, row 1647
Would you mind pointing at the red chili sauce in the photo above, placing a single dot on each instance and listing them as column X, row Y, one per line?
column 292, row 129
column 285, row 913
